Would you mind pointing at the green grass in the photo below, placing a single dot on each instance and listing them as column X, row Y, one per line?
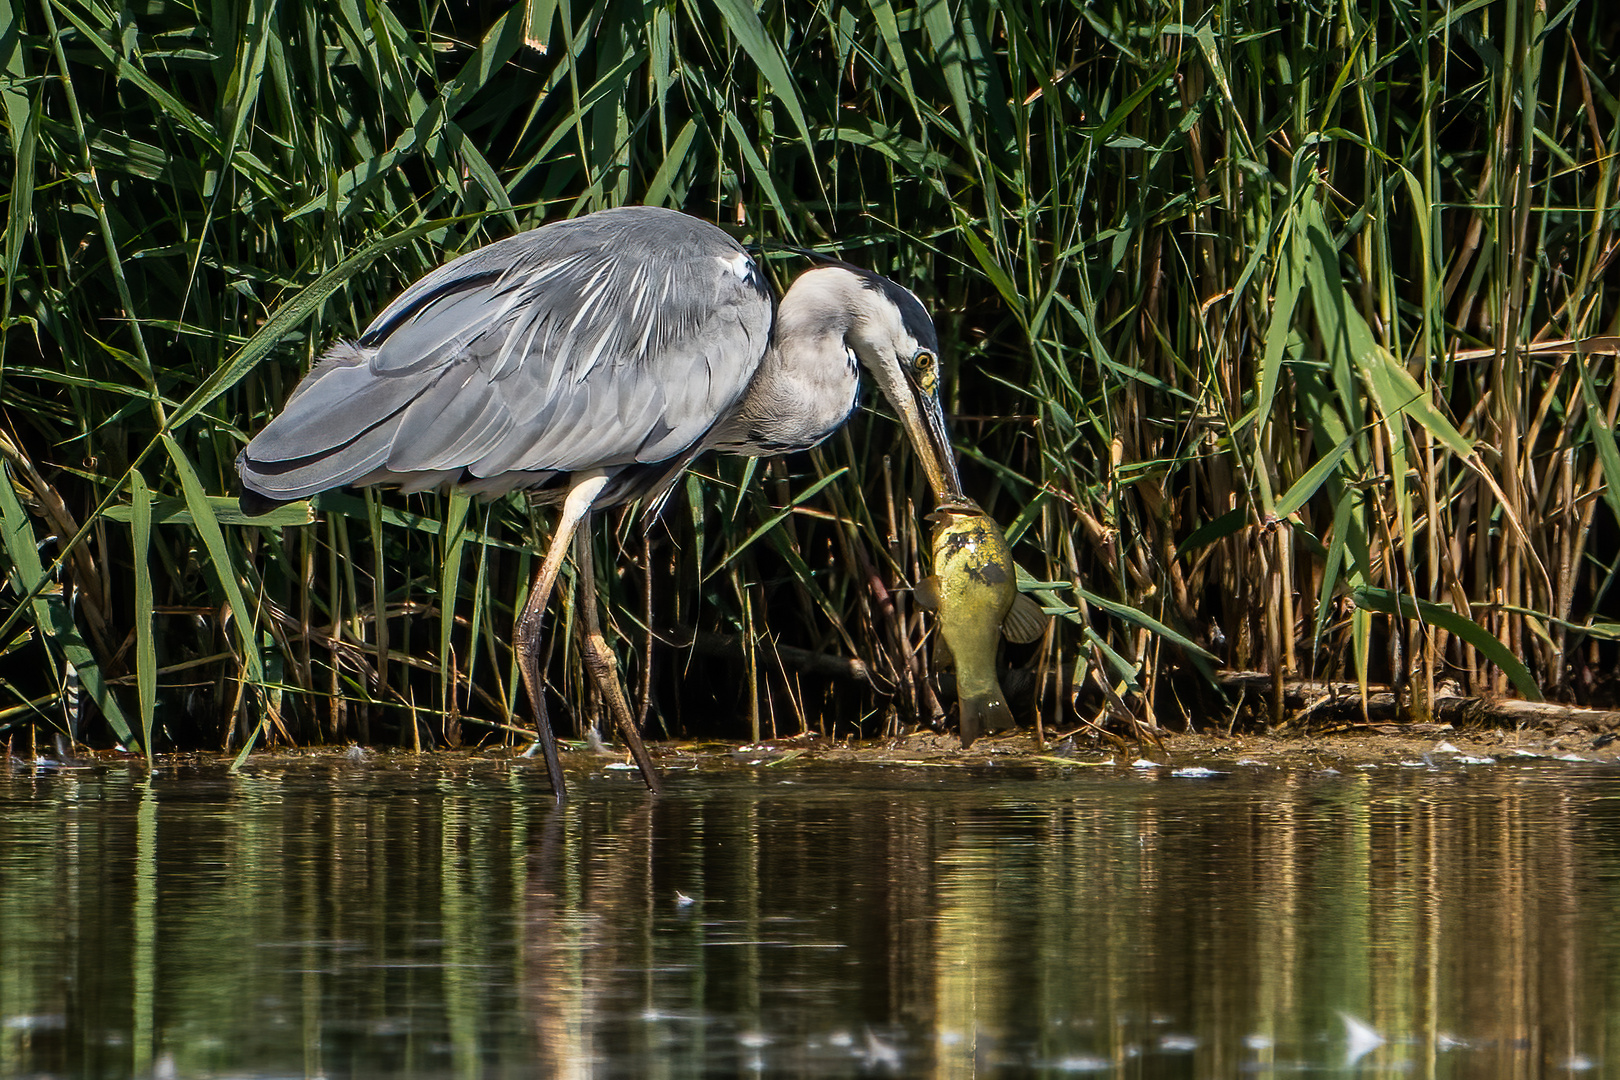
column 1285, row 332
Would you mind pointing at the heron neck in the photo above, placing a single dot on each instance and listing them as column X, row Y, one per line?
column 808, row 379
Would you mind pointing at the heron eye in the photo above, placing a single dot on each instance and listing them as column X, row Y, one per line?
column 923, row 365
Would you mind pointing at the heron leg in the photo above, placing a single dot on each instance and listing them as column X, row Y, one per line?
column 600, row 661
column 576, row 507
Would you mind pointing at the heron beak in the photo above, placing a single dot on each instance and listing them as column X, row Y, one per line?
column 924, row 421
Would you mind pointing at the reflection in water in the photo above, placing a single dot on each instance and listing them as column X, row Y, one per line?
column 324, row 917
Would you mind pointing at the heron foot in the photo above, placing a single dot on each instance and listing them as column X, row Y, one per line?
column 603, row 665
column 526, row 641
column 604, row 671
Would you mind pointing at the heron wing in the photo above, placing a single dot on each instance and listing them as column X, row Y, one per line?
column 613, row 339
column 338, row 426
column 610, row 340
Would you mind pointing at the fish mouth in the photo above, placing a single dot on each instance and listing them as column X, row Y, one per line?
column 959, row 507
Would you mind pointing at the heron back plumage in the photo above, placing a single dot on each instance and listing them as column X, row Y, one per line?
column 608, row 342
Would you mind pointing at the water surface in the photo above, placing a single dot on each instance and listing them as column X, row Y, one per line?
column 438, row 916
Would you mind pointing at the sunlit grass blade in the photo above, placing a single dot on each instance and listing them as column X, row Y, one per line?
column 1289, row 281
column 454, row 540
column 1306, row 487
column 167, row 510
column 1603, row 440
column 140, row 502
column 1142, row 619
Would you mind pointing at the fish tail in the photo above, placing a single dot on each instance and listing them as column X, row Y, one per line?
column 981, row 713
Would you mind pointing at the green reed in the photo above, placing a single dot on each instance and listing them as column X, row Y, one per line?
column 1280, row 336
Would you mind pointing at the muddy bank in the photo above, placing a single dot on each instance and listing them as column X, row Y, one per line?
column 1347, row 748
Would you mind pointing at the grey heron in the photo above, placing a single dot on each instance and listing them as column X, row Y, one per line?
column 589, row 361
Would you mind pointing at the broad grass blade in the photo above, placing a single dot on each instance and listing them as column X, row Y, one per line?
column 140, row 503
column 454, row 540
column 220, row 565
column 1389, row 603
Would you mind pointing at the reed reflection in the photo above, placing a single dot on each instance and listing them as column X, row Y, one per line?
column 328, row 918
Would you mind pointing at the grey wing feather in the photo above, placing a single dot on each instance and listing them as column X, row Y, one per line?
column 339, row 400
column 607, row 341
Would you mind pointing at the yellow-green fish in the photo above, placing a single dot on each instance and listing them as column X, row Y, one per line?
column 974, row 590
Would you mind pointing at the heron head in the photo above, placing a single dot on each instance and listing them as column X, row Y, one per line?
column 893, row 337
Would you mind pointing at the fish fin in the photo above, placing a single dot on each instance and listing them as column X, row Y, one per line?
column 1025, row 621
column 981, row 713
column 927, row 592
column 943, row 657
